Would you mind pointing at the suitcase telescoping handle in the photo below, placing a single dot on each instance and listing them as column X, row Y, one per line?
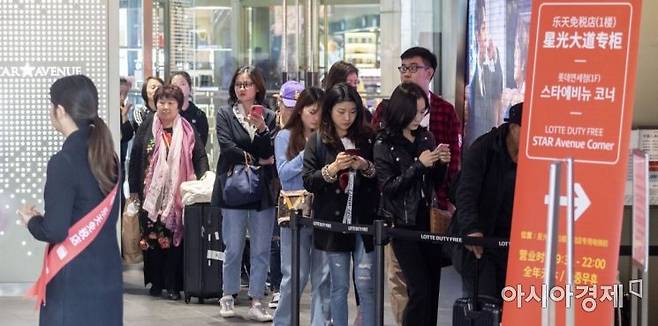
column 476, row 284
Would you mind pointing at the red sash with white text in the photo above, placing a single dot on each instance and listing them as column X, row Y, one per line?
column 80, row 235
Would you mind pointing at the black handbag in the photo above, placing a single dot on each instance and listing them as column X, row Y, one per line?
column 243, row 184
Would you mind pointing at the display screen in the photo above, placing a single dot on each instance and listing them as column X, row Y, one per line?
column 497, row 56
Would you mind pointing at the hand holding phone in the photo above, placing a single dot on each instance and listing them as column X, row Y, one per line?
column 256, row 117
column 353, row 152
column 257, row 111
column 443, row 150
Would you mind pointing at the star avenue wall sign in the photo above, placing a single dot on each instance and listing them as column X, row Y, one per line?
column 50, row 70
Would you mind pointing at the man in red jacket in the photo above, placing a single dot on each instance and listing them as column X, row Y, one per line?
column 418, row 65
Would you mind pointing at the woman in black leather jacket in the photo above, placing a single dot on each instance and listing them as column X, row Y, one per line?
column 408, row 165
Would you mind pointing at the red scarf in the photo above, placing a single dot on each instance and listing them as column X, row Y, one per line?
column 80, row 236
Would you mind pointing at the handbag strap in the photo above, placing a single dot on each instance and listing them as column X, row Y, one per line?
column 247, row 161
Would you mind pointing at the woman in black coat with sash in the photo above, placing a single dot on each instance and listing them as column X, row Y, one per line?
column 87, row 290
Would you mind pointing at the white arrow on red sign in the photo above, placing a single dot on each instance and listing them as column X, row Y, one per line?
column 581, row 201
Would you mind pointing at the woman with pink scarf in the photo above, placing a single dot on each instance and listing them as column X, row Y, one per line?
column 166, row 152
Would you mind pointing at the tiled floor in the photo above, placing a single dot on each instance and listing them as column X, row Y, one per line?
column 142, row 310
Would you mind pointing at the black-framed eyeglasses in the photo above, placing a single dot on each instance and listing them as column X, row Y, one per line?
column 411, row 68
column 244, row 85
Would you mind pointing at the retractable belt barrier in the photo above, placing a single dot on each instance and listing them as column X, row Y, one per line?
column 382, row 234
column 404, row 234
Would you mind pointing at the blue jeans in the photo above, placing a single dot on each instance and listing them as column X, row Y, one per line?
column 275, row 260
column 339, row 271
column 312, row 262
column 234, row 227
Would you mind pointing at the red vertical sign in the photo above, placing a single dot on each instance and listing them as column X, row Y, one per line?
column 579, row 103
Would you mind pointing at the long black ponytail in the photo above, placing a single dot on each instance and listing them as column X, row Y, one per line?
column 78, row 96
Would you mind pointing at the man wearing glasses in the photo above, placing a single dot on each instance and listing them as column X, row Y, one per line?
column 419, row 66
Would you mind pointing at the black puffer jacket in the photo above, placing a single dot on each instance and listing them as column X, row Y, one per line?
column 404, row 182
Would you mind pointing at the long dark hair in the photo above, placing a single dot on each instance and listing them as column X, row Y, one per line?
column 358, row 131
column 78, row 96
column 309, row 96
column 338, row 74
column 401, row 108
column 256, row 77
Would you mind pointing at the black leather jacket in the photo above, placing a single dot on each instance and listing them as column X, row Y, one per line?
column 404, row 182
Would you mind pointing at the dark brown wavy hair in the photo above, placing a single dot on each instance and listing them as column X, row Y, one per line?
column 358, row 131
column 309, row 96
column 256, row 77
column 338, row 74
column 78, row 96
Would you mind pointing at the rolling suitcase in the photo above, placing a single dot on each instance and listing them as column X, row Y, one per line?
column 203, row 252
column 485, row 311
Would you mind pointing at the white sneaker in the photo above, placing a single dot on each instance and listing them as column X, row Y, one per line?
column 227, row 306
column 258, row 313
column 275, row 300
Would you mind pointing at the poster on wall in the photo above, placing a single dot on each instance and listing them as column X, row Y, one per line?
column 497, row 57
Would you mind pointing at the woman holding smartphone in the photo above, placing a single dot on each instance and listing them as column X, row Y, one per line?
column 244, row 132
column 338, row 170
column 409, row 164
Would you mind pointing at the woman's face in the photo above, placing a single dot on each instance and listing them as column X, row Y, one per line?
column 352, row 80
column 284, row 112
column 152, row 86
column 53, row 118
column 167, row 111
column 343, row 115
column 245, row 88
column 181, row 82
column 311, row 117
column 421, row 110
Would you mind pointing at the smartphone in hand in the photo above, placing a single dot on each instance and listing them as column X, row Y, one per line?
column 257, row 110
column 441, row 146
column 353, row 152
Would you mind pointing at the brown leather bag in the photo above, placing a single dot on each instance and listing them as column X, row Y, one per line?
column 439, row 220
column 292, row 200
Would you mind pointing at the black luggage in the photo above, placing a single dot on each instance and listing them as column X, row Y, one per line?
column 485, row 311
column 203, row 252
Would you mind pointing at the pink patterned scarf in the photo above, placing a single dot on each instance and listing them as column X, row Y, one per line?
column 168, row 169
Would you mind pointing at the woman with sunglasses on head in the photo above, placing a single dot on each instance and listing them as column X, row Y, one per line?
column 409, row 164
column 244, row 133
column 338, row 170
